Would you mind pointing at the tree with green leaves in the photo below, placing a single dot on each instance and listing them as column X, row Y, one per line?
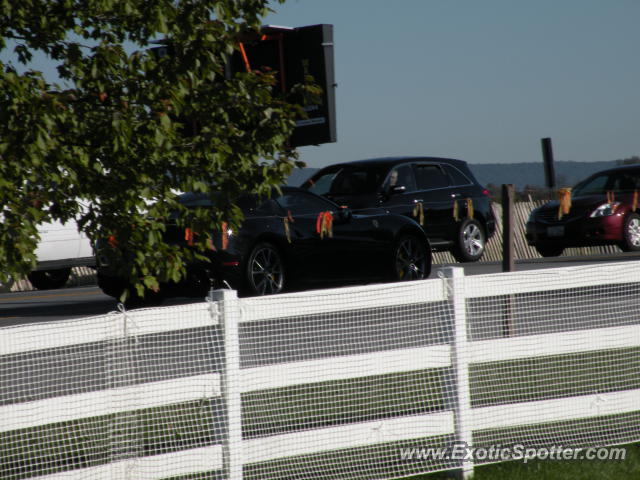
column 109, row 147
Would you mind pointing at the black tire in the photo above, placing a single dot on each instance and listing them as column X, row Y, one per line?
column 150, row 299
column 411, row 259
column 470, row 241
column 549, row 250
column 111, row 286
column 49, row 279
column 631, row 233
column 265, row 271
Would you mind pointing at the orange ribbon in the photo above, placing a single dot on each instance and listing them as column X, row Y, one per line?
column 634, row 201
column 611, row 198
column 470, row 208
column 564, row 199
column 324, row 224
column 456, row 211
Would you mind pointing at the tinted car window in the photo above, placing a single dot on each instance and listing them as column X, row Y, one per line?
column 322, row 184
column 430, row 176
column 457, row 177
column 600, row 184
column 347, row 180
column 401, row 176
column 299, row 203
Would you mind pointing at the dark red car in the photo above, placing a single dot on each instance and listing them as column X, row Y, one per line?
column 603, row 211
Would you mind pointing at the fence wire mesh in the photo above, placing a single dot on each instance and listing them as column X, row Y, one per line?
column 354, row 383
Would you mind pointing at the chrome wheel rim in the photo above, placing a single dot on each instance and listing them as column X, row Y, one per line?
column 266, row 271
column 473, row 240
column 410, row 260
column 633, row 232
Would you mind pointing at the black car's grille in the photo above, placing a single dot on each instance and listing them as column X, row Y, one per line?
column 551, row 216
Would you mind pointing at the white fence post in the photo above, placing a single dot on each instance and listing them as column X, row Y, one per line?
column 461, row 397
column 231, row 383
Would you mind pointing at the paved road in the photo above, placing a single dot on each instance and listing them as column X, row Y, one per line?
column 30, row 307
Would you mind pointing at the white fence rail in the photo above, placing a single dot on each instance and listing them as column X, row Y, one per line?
column 326, row 384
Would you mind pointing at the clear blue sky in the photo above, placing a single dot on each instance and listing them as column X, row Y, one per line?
column 480, row 80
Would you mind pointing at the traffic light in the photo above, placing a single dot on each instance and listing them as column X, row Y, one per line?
column 297, row 54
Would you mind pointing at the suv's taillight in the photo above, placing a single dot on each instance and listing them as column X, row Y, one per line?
column 486, row 193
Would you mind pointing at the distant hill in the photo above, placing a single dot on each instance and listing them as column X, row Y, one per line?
column 520, row 174
column 532, row 173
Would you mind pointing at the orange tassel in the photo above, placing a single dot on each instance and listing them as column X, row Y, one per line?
column 225, row 237
column 285, row 221
column 611, row 198
column 634, row 202
column 564, row 199
column 324, row 224
column 188, row 236
column 470, row 208
column 418, row 212
column 456, row 212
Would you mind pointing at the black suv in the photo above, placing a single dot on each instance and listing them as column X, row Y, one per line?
column 441, row 193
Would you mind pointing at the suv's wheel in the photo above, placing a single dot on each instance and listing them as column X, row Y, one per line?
column 49, row 279
column 470, row 241
column 265, row 270
column 411, row 259
column 549, row 250
column 631, row 233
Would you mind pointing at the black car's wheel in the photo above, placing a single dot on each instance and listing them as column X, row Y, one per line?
column 631, row 233
column 49, row 279
column 549, row 250
column 150, row 299
column 411, row 259
column 470, row 242
column 265, row 271
column 111, row 286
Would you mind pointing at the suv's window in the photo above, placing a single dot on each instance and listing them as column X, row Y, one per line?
column 430, row 176
column 300, row 203
column 347, row 180
column 457, row 177
column 400, row 176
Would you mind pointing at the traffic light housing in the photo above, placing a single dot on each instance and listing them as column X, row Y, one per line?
column 297, row 54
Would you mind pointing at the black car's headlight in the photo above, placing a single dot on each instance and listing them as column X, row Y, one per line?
column 605, row 210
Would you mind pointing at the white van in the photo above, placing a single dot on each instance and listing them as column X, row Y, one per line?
column 61, row 247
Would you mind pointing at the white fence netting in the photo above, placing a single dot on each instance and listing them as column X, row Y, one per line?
column 333, row 384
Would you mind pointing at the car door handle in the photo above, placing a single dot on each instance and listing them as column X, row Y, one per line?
column 455, row 195
column 417, row 200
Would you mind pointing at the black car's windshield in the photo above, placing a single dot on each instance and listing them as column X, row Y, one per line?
column 600, row 184
column 348, row 181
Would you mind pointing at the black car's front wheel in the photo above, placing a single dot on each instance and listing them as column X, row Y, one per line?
column 265, row 270
column 470, row 242
column 412, row 259
column 631, row 233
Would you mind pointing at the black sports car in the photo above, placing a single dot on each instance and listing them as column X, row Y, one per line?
column 294, row 240
column 441, row 193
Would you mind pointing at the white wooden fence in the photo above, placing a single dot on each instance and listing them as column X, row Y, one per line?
column 329, row 383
